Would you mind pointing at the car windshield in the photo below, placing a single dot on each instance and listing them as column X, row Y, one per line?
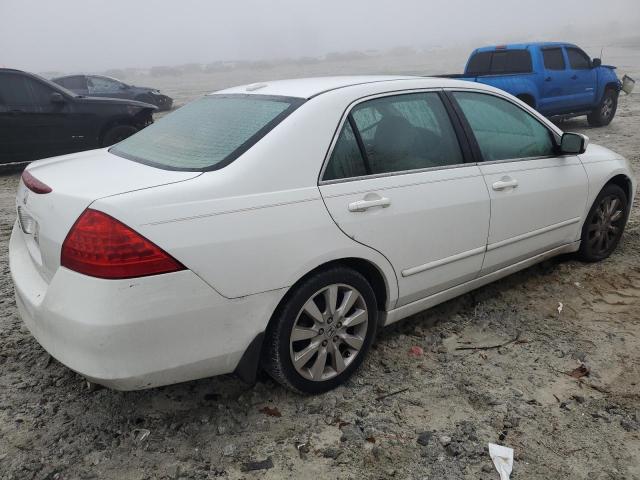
column 208, row 133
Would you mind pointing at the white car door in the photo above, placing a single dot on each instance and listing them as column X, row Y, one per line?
column 537, row 196
column 396, row 180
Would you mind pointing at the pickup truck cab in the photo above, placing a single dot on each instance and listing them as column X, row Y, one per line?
column 557, row 79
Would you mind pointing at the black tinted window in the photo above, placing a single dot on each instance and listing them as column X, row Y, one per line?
column 479, row 63
column 553, row 58
column 578, row 59
column 14, row 89
column 75, row 83
column 511, row 61
column 500, row 62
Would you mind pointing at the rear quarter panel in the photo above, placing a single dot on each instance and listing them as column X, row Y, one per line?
column 259, row 223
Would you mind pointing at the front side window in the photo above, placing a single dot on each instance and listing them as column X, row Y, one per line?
column 503, row 130
column 553, row 59
column 398, row 133
column 41, row 92
column 578, row 59
column 208, row 133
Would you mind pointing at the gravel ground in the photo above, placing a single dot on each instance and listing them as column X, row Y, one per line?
column 409, row 413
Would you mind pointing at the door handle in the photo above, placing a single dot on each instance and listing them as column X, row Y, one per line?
column 504, row 183
column 548, row 79
column 575, row 77
column 362, row 205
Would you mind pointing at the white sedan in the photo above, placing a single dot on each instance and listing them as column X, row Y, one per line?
column 280, row 225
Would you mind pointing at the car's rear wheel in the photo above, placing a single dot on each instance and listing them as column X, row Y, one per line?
column 604, row 113
column 322, row 333
column 117, row 134
column 604, row 225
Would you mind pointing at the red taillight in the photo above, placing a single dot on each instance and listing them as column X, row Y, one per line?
column 100, row 246
column 33, row 184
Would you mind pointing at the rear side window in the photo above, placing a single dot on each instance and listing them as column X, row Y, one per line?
column 75, row 83
column 503, row 130
column 479, row 63
column 398, row 133
column 500, row 62
column 578, row 59
column 208, row 133
column 553, row 59
column 346, row 159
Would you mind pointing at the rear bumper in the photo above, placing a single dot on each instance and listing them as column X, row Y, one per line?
column 138, row 333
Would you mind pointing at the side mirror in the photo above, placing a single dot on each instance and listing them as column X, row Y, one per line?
column 124, row 86
column 596, row 62
column 573, row 143
column 56, row 98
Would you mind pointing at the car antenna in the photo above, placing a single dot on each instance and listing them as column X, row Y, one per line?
column 601, row 50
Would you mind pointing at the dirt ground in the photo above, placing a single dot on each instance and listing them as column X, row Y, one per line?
column 425, row 416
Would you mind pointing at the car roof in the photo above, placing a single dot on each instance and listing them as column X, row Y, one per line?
column 523, row 46
column 311, row 87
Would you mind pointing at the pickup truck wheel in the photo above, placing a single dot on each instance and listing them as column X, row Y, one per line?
column 117, row 134
column 604, row 224
column 604, row 113
column 321, row 335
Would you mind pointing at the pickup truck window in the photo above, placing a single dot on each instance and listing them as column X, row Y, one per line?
column 578, row 59
column 503, row 130
column 500, row 62
column 553, row 58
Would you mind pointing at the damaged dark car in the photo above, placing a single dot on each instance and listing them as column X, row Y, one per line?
column 102, row 86
column 40, row 119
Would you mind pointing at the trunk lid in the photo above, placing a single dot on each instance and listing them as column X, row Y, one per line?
column 77, row 180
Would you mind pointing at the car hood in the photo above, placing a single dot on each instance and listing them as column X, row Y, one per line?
column 114, row 101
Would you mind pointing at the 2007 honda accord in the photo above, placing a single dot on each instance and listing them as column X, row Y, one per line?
column 280, row 225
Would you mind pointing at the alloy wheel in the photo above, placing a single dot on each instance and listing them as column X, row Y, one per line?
column 329, row 332
column 606, row 224
column 607, row 108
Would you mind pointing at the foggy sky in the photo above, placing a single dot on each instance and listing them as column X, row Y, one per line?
column 93, row 35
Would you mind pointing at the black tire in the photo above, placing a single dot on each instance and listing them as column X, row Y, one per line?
column 279, row 347
column 602, row 231
column 606, row 110
column 117, row 134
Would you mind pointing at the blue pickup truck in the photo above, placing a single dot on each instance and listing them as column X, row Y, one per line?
column 557, row 79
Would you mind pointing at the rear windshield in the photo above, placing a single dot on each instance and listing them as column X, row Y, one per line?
column 499, row 62
column 208, row 133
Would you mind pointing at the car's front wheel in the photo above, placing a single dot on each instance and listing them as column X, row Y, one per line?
column 604, row 113
column 604, row 225
column 321, row 334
